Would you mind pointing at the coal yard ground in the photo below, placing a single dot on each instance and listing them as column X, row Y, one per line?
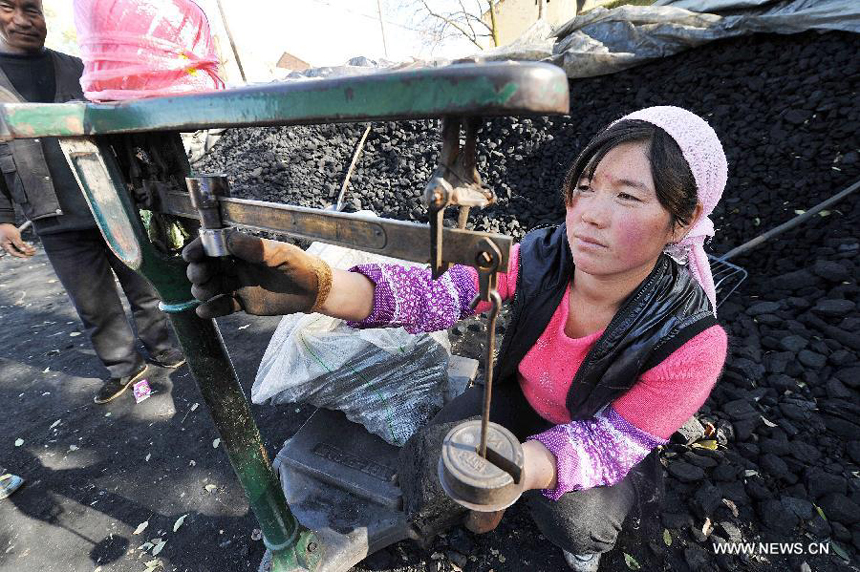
column 775, row 455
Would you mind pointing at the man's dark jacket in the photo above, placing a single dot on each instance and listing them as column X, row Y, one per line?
column 23, row 160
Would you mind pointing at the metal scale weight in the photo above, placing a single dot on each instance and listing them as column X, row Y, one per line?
column 337, row 499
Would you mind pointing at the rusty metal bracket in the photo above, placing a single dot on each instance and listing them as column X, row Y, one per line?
column 488, row 263
column 205, row 192
column 455, row 182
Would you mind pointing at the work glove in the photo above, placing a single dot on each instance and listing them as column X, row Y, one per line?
column 11, row 242
column 262, row 277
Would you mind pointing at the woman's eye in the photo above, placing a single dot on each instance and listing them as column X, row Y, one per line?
column 627, row 197
column 583, row 188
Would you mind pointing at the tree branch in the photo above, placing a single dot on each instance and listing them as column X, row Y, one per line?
column 453, row 23
column 469, row 16
column 468, row 23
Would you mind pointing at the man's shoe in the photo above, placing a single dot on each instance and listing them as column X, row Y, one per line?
column 582, row 562
column 116, row 386
column 170, row 359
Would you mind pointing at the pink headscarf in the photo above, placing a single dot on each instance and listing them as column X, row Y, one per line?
column 707, row 161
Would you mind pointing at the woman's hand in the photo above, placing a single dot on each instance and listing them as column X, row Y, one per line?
column 539, row 467
column 270, row 278
column 538, row 473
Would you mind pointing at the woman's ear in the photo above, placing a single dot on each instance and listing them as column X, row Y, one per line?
column 680, row 230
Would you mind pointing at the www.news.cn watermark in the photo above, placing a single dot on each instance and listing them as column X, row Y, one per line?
column 771, row 548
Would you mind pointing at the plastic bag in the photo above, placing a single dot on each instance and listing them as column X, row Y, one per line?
column 607, row 40
column 388, row 380
column 603, row 41
column 144, row 48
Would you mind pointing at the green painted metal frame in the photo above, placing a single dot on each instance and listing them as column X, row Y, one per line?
column 460, row 90
column 293, row 546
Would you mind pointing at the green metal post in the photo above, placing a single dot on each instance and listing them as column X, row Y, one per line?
column 293, row 546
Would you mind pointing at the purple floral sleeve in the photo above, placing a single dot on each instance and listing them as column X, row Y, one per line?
column 409, row 297
column 595, row 452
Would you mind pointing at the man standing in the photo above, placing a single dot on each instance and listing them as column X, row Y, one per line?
column 37, row 177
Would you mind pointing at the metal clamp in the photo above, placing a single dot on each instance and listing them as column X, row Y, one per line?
column 454, row 182
column 215, row 241
column 205, row 191
column 488, row 262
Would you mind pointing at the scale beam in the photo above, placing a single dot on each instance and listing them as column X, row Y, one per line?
column 393, row 238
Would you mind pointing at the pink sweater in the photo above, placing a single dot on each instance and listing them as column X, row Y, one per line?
column 598, row 451
column 676, row 388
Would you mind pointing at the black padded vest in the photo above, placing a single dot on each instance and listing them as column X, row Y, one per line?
column 23, row 160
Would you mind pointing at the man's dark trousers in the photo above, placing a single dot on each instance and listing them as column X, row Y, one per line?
column 83, row 263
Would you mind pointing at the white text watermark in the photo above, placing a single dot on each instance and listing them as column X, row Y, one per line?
column 771, row 548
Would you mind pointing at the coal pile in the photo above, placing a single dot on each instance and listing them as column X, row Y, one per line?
column 785, row 416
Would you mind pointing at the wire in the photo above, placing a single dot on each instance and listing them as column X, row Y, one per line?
column 374, row 17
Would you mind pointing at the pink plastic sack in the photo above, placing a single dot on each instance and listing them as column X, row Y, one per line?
column 144, row 48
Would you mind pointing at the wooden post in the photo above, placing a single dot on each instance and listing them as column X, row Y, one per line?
column 232, row 43
column 382, row 27
column 493, row 23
